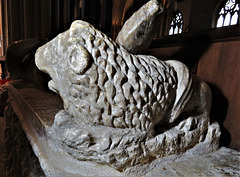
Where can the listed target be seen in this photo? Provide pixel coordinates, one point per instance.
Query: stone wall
(20, 160)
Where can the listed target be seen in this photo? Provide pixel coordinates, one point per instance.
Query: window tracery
(176, 26)
(228, 14)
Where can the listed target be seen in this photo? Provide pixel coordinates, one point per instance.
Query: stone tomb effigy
(35, 110)
(123, 113)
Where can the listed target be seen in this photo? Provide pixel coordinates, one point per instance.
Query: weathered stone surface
(57, 163)
(122, 109)
(224, 162)
(27, 103)
(19, 160)
(137, 33)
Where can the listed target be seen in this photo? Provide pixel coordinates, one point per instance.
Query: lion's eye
(78, 59)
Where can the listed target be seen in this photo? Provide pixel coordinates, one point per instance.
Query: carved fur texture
(123, 109)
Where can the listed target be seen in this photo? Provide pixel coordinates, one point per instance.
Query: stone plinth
(35, 110)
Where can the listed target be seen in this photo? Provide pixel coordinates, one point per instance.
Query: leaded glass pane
(176, 26)
(228, 14)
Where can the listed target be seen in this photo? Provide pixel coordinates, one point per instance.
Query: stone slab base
(36, 116)
(224, 162)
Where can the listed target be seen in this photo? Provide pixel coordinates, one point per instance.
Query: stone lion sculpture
(123, 109)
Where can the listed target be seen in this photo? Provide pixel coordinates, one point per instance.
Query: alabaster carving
(122, 109)
(137, 33)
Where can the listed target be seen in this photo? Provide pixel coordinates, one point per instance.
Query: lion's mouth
(52, 86)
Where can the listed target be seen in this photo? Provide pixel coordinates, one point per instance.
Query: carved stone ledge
(35, 109)
(19, 160)
(30, 114)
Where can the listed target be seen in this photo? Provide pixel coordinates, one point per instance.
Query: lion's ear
(77, 27)
(79, 59)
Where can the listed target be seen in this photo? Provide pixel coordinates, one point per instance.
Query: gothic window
(176, 26)
(228, 13)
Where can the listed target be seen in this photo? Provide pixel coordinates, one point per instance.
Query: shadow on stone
(196, 46)
(219, 112)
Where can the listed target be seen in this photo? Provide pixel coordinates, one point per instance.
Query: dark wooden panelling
(220, 67)
(31, 11)
(106, 16)
(35, 18)
(190, 47)
(15, 24)
(202, 13)
(55, 15)
(45, 18)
